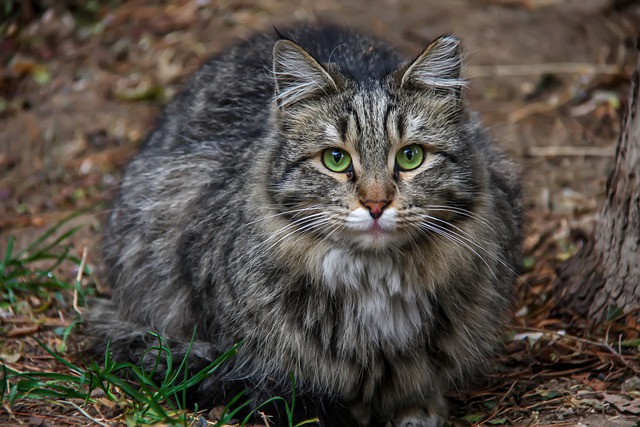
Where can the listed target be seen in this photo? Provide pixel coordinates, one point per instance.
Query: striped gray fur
(228, 222)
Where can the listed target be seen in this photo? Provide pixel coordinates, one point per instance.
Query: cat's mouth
(371, 232)
(376, 229)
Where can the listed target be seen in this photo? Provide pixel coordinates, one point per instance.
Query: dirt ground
(81, 84)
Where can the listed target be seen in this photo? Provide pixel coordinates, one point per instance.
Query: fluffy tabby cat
(333, 207)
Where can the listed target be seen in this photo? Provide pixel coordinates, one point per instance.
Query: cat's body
(377, 286)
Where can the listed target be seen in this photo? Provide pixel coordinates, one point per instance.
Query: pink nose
(375, 207)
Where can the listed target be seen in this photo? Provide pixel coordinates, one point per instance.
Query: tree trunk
(605, 273)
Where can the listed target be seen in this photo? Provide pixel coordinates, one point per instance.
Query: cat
(334, 208)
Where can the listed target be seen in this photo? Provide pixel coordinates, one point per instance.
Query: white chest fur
(385, 303)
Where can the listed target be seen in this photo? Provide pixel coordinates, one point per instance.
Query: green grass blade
(211, 368)
(227, 416)
(309, 421)
(133, 393)
(59, 259)
(7, 255)
(4, 382)
(60, 359)
(44, 236)
(61, 238)
(183, 363)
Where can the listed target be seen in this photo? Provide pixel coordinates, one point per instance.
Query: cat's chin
(377, 239)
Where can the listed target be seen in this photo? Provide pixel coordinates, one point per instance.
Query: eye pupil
(337, 156)
(408, 153)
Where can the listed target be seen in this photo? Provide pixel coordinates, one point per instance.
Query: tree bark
(604, 275)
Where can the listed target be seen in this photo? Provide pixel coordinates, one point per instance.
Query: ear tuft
(297, 75)
(438, 66)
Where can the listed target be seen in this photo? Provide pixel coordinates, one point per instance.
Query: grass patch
(141, 400)
(34, 270)
(36, 284)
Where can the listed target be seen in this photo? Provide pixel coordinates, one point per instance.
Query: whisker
(465, 236)
(340, 227)
(293, 225)
(445, 233)
(465, 212)
(292, 211)
(289, 228)
(312, 226)
(467, 240)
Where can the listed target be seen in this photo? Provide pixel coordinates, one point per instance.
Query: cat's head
(373, 163)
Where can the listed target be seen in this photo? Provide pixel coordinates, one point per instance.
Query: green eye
(336, 159)
(409, 157)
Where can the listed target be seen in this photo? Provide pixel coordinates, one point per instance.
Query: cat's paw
(418, 418)
(430, 421)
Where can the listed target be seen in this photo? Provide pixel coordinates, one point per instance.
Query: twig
(79, 280)
(97, 409)
(551, 104)
(493, 415)
(264, 418)
(544, 403)
(568, 151)
(562, 424)
(600, 344)
(504, 396)
(99, 422)
(528, 4)
(541, 69)
(498, 410)
(20, 332)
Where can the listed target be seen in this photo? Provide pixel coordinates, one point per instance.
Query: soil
(81, 86)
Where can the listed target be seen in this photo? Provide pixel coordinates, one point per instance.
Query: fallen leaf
(10, 357)
(476, 417)
(623, 402)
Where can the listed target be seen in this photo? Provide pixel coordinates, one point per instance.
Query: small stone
(217, 413)
(36, 422)
(632, 384)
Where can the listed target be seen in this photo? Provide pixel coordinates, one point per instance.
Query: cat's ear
(438, 66)
(298, 76)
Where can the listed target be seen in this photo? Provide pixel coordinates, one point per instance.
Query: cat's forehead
(367, 111)
(377, 117)
(370, 101)
(369, 122)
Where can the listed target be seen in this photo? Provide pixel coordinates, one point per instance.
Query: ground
(82, 83)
